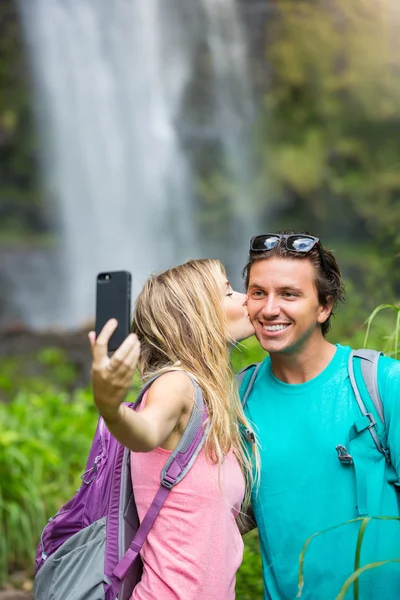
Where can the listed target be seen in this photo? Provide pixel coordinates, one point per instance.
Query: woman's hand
(112, 377)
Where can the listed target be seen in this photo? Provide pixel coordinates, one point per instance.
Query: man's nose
(271, 307)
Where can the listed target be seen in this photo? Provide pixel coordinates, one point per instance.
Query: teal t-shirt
(304, 489)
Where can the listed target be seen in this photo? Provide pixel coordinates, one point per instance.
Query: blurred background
(136, 135)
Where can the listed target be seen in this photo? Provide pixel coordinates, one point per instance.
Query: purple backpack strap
(176, 467)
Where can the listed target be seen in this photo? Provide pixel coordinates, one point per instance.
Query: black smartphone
(113, 300)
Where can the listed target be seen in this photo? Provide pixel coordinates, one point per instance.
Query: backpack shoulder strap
(364, 363)
(245, 380)
(190, 444)
(369, 369)
(176, 467)
(363, 373)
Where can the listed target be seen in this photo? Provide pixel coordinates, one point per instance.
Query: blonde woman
(183, 320)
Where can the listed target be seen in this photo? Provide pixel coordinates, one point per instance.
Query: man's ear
(325, 310)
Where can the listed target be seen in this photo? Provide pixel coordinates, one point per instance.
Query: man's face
(283, 304)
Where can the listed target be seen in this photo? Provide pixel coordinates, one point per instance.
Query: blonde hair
(181, 323)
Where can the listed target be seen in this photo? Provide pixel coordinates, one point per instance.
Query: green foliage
(391, 346)
(55, 360)
(44, 440)
(332, 106)
(36, 372)
(249, 577)
(245, 353)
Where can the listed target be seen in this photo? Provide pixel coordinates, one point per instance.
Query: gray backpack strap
(244, 378)
(369, 371)
(192, 439)
(190, 443)
(363, 373)
(242, 374)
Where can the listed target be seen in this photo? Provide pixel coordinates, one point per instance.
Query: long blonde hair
(181, 323)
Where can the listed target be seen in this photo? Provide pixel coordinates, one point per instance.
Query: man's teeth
(274, 327)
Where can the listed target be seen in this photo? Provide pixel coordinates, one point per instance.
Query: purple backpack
(90, 549)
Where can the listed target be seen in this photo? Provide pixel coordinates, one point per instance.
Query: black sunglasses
(294, 242)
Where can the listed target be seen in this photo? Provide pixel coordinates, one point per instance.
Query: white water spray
(111, 81)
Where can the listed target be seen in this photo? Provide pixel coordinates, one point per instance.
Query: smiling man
(302, 406)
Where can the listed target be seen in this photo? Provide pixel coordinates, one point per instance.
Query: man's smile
(276, 327)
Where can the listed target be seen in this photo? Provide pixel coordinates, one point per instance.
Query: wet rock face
(15, 595)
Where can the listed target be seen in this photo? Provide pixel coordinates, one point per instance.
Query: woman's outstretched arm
(168, 397)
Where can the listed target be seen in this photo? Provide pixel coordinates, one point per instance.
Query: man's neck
(303, 365)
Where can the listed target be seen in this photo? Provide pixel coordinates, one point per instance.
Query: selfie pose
(330, 441)
(183, 322)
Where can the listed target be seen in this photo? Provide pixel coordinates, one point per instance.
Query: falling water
(112, 81)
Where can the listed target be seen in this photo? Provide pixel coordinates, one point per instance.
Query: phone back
(113, 300)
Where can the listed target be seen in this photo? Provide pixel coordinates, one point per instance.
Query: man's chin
(270, 345)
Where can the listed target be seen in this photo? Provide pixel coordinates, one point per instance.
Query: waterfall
(112, 82)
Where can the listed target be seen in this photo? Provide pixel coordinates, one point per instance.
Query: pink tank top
(194, 548)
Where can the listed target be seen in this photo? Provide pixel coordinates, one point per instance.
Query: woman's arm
(146, 430)
(168, 396)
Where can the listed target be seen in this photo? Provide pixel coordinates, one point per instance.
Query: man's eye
(289, 295)
(257, 294)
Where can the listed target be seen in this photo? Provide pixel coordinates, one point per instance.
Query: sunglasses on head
(294, 242)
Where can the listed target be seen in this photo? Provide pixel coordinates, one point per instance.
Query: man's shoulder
(344, 350)
(389, 370)
(387, 365)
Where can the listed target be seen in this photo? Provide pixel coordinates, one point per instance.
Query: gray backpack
(363, 373)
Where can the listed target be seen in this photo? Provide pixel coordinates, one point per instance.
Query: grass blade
(368, 322)
(354, 576)
(300, 581)
(358, 554)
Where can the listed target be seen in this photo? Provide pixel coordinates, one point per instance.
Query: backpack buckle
(344, 457)
(371, 419)
(168, 482)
